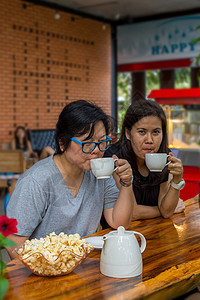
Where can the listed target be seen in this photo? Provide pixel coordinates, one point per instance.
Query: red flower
(7, 226)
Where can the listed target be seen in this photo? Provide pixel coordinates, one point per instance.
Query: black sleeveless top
(147, 195)
(21, 148)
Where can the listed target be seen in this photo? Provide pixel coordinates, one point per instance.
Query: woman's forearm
(145, 212)
(169, 196)
(122, 211)
(169, 202)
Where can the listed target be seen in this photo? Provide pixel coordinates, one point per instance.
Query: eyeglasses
(88, 147)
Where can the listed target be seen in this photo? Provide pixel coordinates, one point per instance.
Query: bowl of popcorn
(53, 255)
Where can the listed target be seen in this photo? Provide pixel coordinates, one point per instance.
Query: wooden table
(171, 266)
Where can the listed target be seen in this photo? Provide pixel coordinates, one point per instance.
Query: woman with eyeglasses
(60, 193)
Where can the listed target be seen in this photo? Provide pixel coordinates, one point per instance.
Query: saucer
(95, 241)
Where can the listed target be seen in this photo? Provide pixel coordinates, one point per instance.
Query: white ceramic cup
(103, 167)
(156, 161)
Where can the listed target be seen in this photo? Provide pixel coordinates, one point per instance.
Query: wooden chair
(12, 164)
(12, 161)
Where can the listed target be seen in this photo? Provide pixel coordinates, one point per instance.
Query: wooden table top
(171, 266)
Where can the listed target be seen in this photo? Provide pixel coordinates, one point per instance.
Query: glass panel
(183, 125)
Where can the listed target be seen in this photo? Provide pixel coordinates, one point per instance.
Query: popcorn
(55, 254)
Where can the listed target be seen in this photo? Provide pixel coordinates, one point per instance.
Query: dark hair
(25, 139)
(77, 118)
(136, 111)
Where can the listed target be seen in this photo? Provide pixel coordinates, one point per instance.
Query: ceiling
(128, 11)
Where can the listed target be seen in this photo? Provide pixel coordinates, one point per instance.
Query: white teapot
(121, 254)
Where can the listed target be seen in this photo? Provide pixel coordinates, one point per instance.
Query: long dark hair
(136, 111)
(25, 139)
(78, 118)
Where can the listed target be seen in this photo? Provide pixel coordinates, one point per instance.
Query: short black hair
(77, 118)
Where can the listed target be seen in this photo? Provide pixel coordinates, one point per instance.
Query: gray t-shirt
(42, 203)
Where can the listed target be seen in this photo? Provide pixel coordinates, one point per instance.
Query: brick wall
(46, 63)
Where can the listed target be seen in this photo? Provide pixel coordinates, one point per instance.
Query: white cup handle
(169, 162)
(116, 167)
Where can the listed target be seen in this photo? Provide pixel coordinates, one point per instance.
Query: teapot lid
(121, 230)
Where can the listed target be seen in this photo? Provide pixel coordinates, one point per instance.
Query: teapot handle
(143, 241)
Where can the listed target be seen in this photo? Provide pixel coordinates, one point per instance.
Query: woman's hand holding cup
(123, 171)
(175, 168)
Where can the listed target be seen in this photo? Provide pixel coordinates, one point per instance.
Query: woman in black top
(144, 131)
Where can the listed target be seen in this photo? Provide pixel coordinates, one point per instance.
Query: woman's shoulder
(42, 170)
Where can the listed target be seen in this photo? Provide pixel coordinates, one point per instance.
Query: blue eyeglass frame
(108, 139)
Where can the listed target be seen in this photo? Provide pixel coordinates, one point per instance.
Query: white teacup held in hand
(103, 167)
(156, 161)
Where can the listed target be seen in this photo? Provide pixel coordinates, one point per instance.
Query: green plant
(124, 93)
(152, 80)
(7, 227)
(194, 42)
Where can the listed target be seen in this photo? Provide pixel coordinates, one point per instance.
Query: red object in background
(191, 175)
(114, 138)
(176, 96)
(153, 65)
(7, 226)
